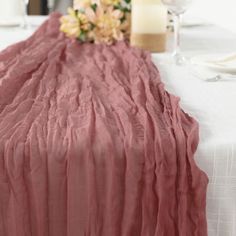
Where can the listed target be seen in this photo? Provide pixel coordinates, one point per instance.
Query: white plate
(216, 62)
(193, 23)
(12, 23)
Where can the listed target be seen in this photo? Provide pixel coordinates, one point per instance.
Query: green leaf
(94, 6)
(82, 36)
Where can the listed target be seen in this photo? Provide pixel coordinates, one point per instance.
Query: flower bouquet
(98, 21)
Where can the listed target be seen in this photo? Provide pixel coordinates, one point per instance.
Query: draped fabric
(91, 144)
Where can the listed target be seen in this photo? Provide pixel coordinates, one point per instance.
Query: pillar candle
(11, 8)
(149, 22)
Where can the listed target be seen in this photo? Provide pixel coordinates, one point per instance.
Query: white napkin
(226, 61)
(220, 63)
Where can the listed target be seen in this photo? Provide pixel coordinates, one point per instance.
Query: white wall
(221, 12)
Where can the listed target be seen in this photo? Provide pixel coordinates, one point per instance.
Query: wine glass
(51, 5)
(177, 8)
(25, 24)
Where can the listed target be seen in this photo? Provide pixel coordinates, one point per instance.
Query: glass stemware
(177, 8)
(51, 5)
(25, 24)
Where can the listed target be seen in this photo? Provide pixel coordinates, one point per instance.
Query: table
(10, 35)
(212, 104)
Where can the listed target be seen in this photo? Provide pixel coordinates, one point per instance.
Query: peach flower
(84, 22)
(78, 4)
(107, 23)
(102, 23)
(70, 24)
(110, 2)
(83, 4)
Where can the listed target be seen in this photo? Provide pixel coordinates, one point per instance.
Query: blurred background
(43, 7)
(221, 12)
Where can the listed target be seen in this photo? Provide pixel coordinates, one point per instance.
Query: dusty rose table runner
(92, 145)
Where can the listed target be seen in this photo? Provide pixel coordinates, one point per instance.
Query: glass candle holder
(149, 25)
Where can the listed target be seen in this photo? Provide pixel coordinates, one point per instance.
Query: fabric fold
(91, 144)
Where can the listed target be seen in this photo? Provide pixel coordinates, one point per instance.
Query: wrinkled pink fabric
(92, 145)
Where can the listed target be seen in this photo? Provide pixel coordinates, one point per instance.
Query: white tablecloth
(10, 35)
(214, 107)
